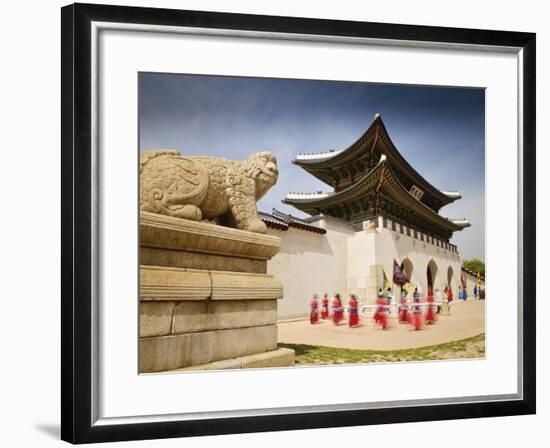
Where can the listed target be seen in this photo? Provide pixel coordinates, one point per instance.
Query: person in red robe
(353, 311)
(324, 308)
(416, 318)
(430, 315)
(314, 313)
(403, 309)
(381, 313)
(337, 310)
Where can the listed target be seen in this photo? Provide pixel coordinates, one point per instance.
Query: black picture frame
(77, 424)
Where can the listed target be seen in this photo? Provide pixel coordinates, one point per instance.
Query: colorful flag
(387, 282)
(399, 277)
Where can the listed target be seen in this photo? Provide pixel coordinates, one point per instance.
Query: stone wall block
(161, 283)
(183, 350)
(167, 232)
(245, 341)
(220, 315)
(243, 286)
(155, 318)
(185, 259)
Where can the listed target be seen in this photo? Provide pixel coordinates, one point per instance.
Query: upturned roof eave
(338, 196)
(317, 167)
(333, 160)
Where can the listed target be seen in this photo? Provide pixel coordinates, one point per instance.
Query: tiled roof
(381, 175)
(272, 222)
(322, 164)
(282, 221)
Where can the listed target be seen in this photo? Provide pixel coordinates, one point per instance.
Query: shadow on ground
(50, 429)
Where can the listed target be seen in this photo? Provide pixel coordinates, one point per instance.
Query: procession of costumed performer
(381, 316)
(387, 292)
(416, 318)
(337, 310)
(389, 298)
(413, 313)
(438, 300)
(430, 315)
(403, 308)
(446, 304)
(324, 307)
(314, 312)
(353, 311)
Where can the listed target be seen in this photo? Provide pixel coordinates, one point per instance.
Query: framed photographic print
(275, 223)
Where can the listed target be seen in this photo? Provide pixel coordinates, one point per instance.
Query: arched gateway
(450, 274)
(407, 268)
(431, 274)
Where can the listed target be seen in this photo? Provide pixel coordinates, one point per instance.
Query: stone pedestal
(206, 301)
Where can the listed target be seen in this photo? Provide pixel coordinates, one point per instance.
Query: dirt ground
(467, 319)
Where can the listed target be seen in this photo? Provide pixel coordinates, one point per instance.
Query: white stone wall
(347, 261)
(362, 262)
(310, 263)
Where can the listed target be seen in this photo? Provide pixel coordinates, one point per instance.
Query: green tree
(475, 265)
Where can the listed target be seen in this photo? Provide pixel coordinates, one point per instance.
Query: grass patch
(473, 347)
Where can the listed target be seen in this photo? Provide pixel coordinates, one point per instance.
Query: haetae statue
(200, 187)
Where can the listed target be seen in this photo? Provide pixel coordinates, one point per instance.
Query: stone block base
(157, 354)
(165, 318)
(282, 357)
(206, 298)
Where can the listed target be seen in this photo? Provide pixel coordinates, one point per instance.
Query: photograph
(275, 224)
(299, 223)
(293, 221)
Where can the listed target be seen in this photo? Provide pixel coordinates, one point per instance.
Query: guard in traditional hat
(324, 307)
(353, 311)
(389, 299)
(337, 310)
(381, 313)
(430, 315)
(416, 319)
(403, 309)
(314, 310)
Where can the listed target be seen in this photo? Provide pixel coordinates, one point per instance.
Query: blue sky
(439, 130)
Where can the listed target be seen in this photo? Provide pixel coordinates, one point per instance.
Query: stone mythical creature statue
(207, 187)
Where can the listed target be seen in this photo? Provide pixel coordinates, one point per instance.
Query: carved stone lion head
(262, 167)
